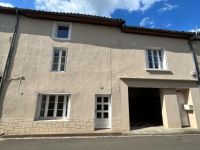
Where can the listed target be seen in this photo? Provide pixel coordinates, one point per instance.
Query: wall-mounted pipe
(10, 54)
(194, 55)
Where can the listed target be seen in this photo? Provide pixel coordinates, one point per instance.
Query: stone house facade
(72, 73)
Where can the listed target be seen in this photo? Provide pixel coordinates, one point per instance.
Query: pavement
(164, 142)
(160, 130)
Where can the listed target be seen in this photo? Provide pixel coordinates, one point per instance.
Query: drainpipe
(190, 43)
(10, 54)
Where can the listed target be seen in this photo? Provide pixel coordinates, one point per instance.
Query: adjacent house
(70, 73)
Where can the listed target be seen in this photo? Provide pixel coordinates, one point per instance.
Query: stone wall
(28, 126)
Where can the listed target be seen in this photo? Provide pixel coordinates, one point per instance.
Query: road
(183, 142)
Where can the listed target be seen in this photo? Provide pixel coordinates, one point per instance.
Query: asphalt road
(186, 142)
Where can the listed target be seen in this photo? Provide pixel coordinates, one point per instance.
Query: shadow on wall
(7, 23)
(105, 36)
(7, 83)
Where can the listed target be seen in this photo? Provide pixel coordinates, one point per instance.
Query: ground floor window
(53, 106)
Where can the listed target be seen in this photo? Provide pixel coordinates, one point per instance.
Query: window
(62, 31)
(59, 60)
(155, 59)
(53, 106)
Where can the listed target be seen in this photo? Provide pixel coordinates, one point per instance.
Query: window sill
(157, 70)
(52, 119)
(61, 39)
(57, 71)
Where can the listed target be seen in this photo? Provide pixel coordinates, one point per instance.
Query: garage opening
(144, 107)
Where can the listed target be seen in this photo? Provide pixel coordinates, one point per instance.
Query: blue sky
(183, 15)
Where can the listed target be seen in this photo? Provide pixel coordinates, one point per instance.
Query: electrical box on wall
(188, 107)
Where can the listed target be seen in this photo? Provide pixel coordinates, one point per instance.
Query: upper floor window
(156, 59)
(53, 106)
(62, 31)
(59, 60)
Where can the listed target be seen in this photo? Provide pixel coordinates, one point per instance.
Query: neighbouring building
(70, 73)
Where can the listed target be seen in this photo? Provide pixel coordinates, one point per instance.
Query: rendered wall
(97, 57)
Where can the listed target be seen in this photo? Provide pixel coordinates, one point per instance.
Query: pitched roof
(97, 20)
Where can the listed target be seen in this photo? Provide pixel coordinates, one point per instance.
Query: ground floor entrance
(159, 103)
(144, 107)
(102, 112)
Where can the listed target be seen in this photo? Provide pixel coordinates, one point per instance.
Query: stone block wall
(30, 127)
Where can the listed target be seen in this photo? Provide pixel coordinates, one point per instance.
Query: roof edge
(97, 20)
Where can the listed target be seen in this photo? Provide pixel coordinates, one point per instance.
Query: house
(71, 73)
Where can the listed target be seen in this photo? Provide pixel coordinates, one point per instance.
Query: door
(102, 112)
(183, 113)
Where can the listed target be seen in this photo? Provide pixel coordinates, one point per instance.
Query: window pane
(62, 32)
(50, 113)
(156, 65)
(63, 60)
(63, 53)
(51, 102)
(105, 107)
(55, 67)
(55, 60)
(62, 67)
(155, 56)
(59, 113)
(105, 99)
(60, 106)
(43, 103)
(98, 107)
(44, 98)
(150, 65)
(42, 112)
(52, 99)
(60, 99)
(150, 60)
(98, 115)
(105, 115)
(149, 52)
(56, 53)
(51, 105)
(99, 100)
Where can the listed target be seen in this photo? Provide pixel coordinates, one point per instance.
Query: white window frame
(55, 29)
(64, 116)
(59, 60)
(164, 60)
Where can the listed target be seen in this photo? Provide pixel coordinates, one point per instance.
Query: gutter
(190, 43)
(10, 54)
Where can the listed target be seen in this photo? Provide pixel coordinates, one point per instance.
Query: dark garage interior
(144, 107)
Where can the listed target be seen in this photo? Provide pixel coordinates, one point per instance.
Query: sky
(181, 15)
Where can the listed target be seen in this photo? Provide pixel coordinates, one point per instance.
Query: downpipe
(194, 55)
(10, 54)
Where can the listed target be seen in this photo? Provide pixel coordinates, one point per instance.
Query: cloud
(94, 7)
(167, 7)
(6, 4)
(147, 22)
(195, 30)
(167, 25)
